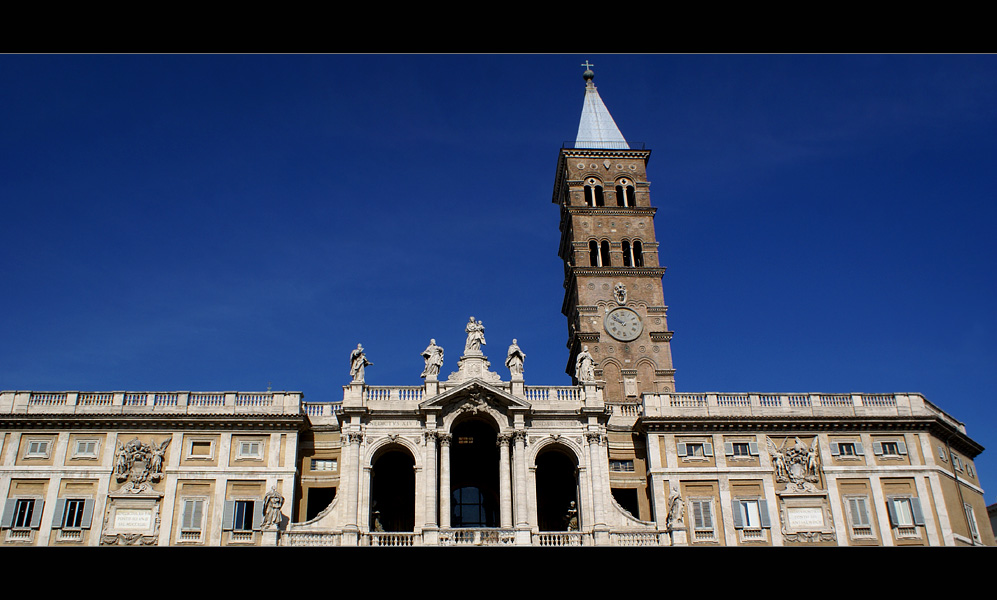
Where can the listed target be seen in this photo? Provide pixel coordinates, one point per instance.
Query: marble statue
(272, 504)
(475, 336)
(434, 360)
(675, 509)
(358, 361)
(571, 519)
(584, 366)
(515, 359)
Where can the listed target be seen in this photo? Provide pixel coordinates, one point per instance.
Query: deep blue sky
(221, 222)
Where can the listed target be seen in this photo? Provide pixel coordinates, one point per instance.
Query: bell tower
(613, 298)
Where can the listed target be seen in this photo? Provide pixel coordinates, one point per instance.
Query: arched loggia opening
(474, 475)
(392, 491)
(557, 489)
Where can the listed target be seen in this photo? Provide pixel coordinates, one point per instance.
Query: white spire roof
(597, 129)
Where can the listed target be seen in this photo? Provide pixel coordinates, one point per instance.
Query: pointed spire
(597, 129)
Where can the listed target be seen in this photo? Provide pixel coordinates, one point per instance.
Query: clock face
(623, 324)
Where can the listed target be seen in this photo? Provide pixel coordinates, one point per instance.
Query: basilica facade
(475, 458)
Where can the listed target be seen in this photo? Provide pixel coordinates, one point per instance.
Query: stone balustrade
(802, 405)
(26, 402)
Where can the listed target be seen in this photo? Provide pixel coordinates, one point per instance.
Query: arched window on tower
(638, 254)
(593, 192)
(625, 193)
(593, 253)
(605, 254)
(627, 257)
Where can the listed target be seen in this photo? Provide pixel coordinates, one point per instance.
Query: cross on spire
(587, 65)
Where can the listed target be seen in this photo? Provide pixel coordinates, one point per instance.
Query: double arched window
(625, 195)
(599, 253)
(633, 254)
(593, 192)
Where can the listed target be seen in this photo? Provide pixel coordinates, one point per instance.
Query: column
(599, 518)
(430, 438)
(444, 479)
(505, 479)
(519, 438)
(352, 484)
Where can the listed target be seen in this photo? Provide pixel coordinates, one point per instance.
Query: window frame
(189, 449)
(315, 462)
(897, 449)
(856, 527)
(242, 455)
(623, 463)
(702, 531)
(96, 448)
(44, 452)
(750, 447)
(12, 520)
(898, 521)
(682, 449)
(198, 528)
(857, 450)
(974, 528)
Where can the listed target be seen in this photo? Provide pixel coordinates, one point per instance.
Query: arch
(593, 253)
(474, 473)
(627, 256)
(604, 254)
(638, 250)
(593, 192)
(556, 487)
(614, 380)
(645, 376)
(625, 195)
(392, 489)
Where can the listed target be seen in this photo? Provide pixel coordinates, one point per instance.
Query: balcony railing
(795, 405)
(153, 402)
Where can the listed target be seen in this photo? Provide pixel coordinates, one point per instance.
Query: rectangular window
(199, 449)
(72, 515)
(892, 449)
(905, 515)
(702, 519)
(956, 462)
(750, 514)
(971, 519)
(858, 515)
(85, 449)
(193, 515)
(621, 466)
(941, 454)
(740, 450)
(324, 464)
(694, 449)
(847, 449)
(243, 516)
(37, 449)
(23, 512)
(251, 449)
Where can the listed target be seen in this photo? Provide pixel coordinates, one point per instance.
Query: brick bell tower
(612, 277)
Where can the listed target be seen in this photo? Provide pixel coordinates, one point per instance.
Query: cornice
(603, 152)
(594, 211)
(619, 271)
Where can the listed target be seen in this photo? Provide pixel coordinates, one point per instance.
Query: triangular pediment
(475, 391)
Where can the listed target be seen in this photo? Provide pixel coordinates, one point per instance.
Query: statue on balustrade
(358, 361)
(434, 360)
(515, 359)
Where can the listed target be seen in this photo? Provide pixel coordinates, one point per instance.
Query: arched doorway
(474, 475)
(392, 491)
(557, 488)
